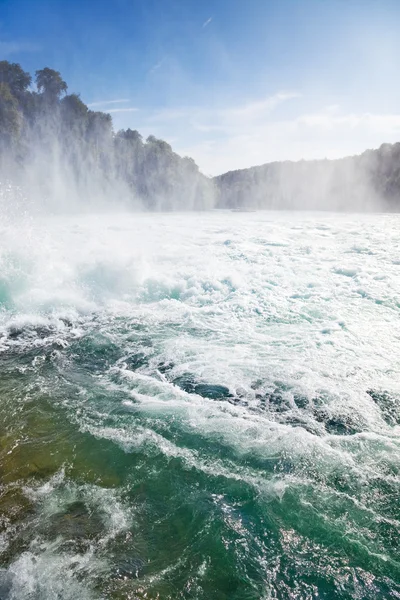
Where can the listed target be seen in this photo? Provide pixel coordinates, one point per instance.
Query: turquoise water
(200, 406)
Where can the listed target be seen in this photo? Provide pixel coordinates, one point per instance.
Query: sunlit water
(201, 406)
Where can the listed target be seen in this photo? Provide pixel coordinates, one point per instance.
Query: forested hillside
(370, 181)
(63, 153)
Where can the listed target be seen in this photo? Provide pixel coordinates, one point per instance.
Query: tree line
(366, 182)
(63, 151)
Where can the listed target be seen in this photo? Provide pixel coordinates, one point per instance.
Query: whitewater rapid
(200, 406)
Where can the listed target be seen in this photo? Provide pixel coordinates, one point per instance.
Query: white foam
(45, 573)
(287, 300)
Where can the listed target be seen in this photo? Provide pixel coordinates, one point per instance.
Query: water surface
(200, 406)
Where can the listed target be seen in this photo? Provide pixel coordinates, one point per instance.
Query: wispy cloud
(254, 110)
(225, 119)
(107, 102)
(108, 106)
(16, 47)
(320, 134)
(255, 132)
(157, 65)
(123, 110)
(207, 22)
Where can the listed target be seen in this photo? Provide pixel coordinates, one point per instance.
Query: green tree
(10, 117)
(99, 127)
(159, 145)
(73, 110)
(130, 135)
(50, 84)
(15, 77)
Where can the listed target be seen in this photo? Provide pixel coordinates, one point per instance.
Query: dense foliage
(64, 152)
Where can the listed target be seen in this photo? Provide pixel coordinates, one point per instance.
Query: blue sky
(232, 83)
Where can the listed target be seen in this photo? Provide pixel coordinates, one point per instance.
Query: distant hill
(370, 181)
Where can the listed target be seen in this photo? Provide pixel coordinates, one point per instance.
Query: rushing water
(200, 406)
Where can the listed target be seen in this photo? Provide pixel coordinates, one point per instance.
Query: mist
(368, 182)
(59, 156)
